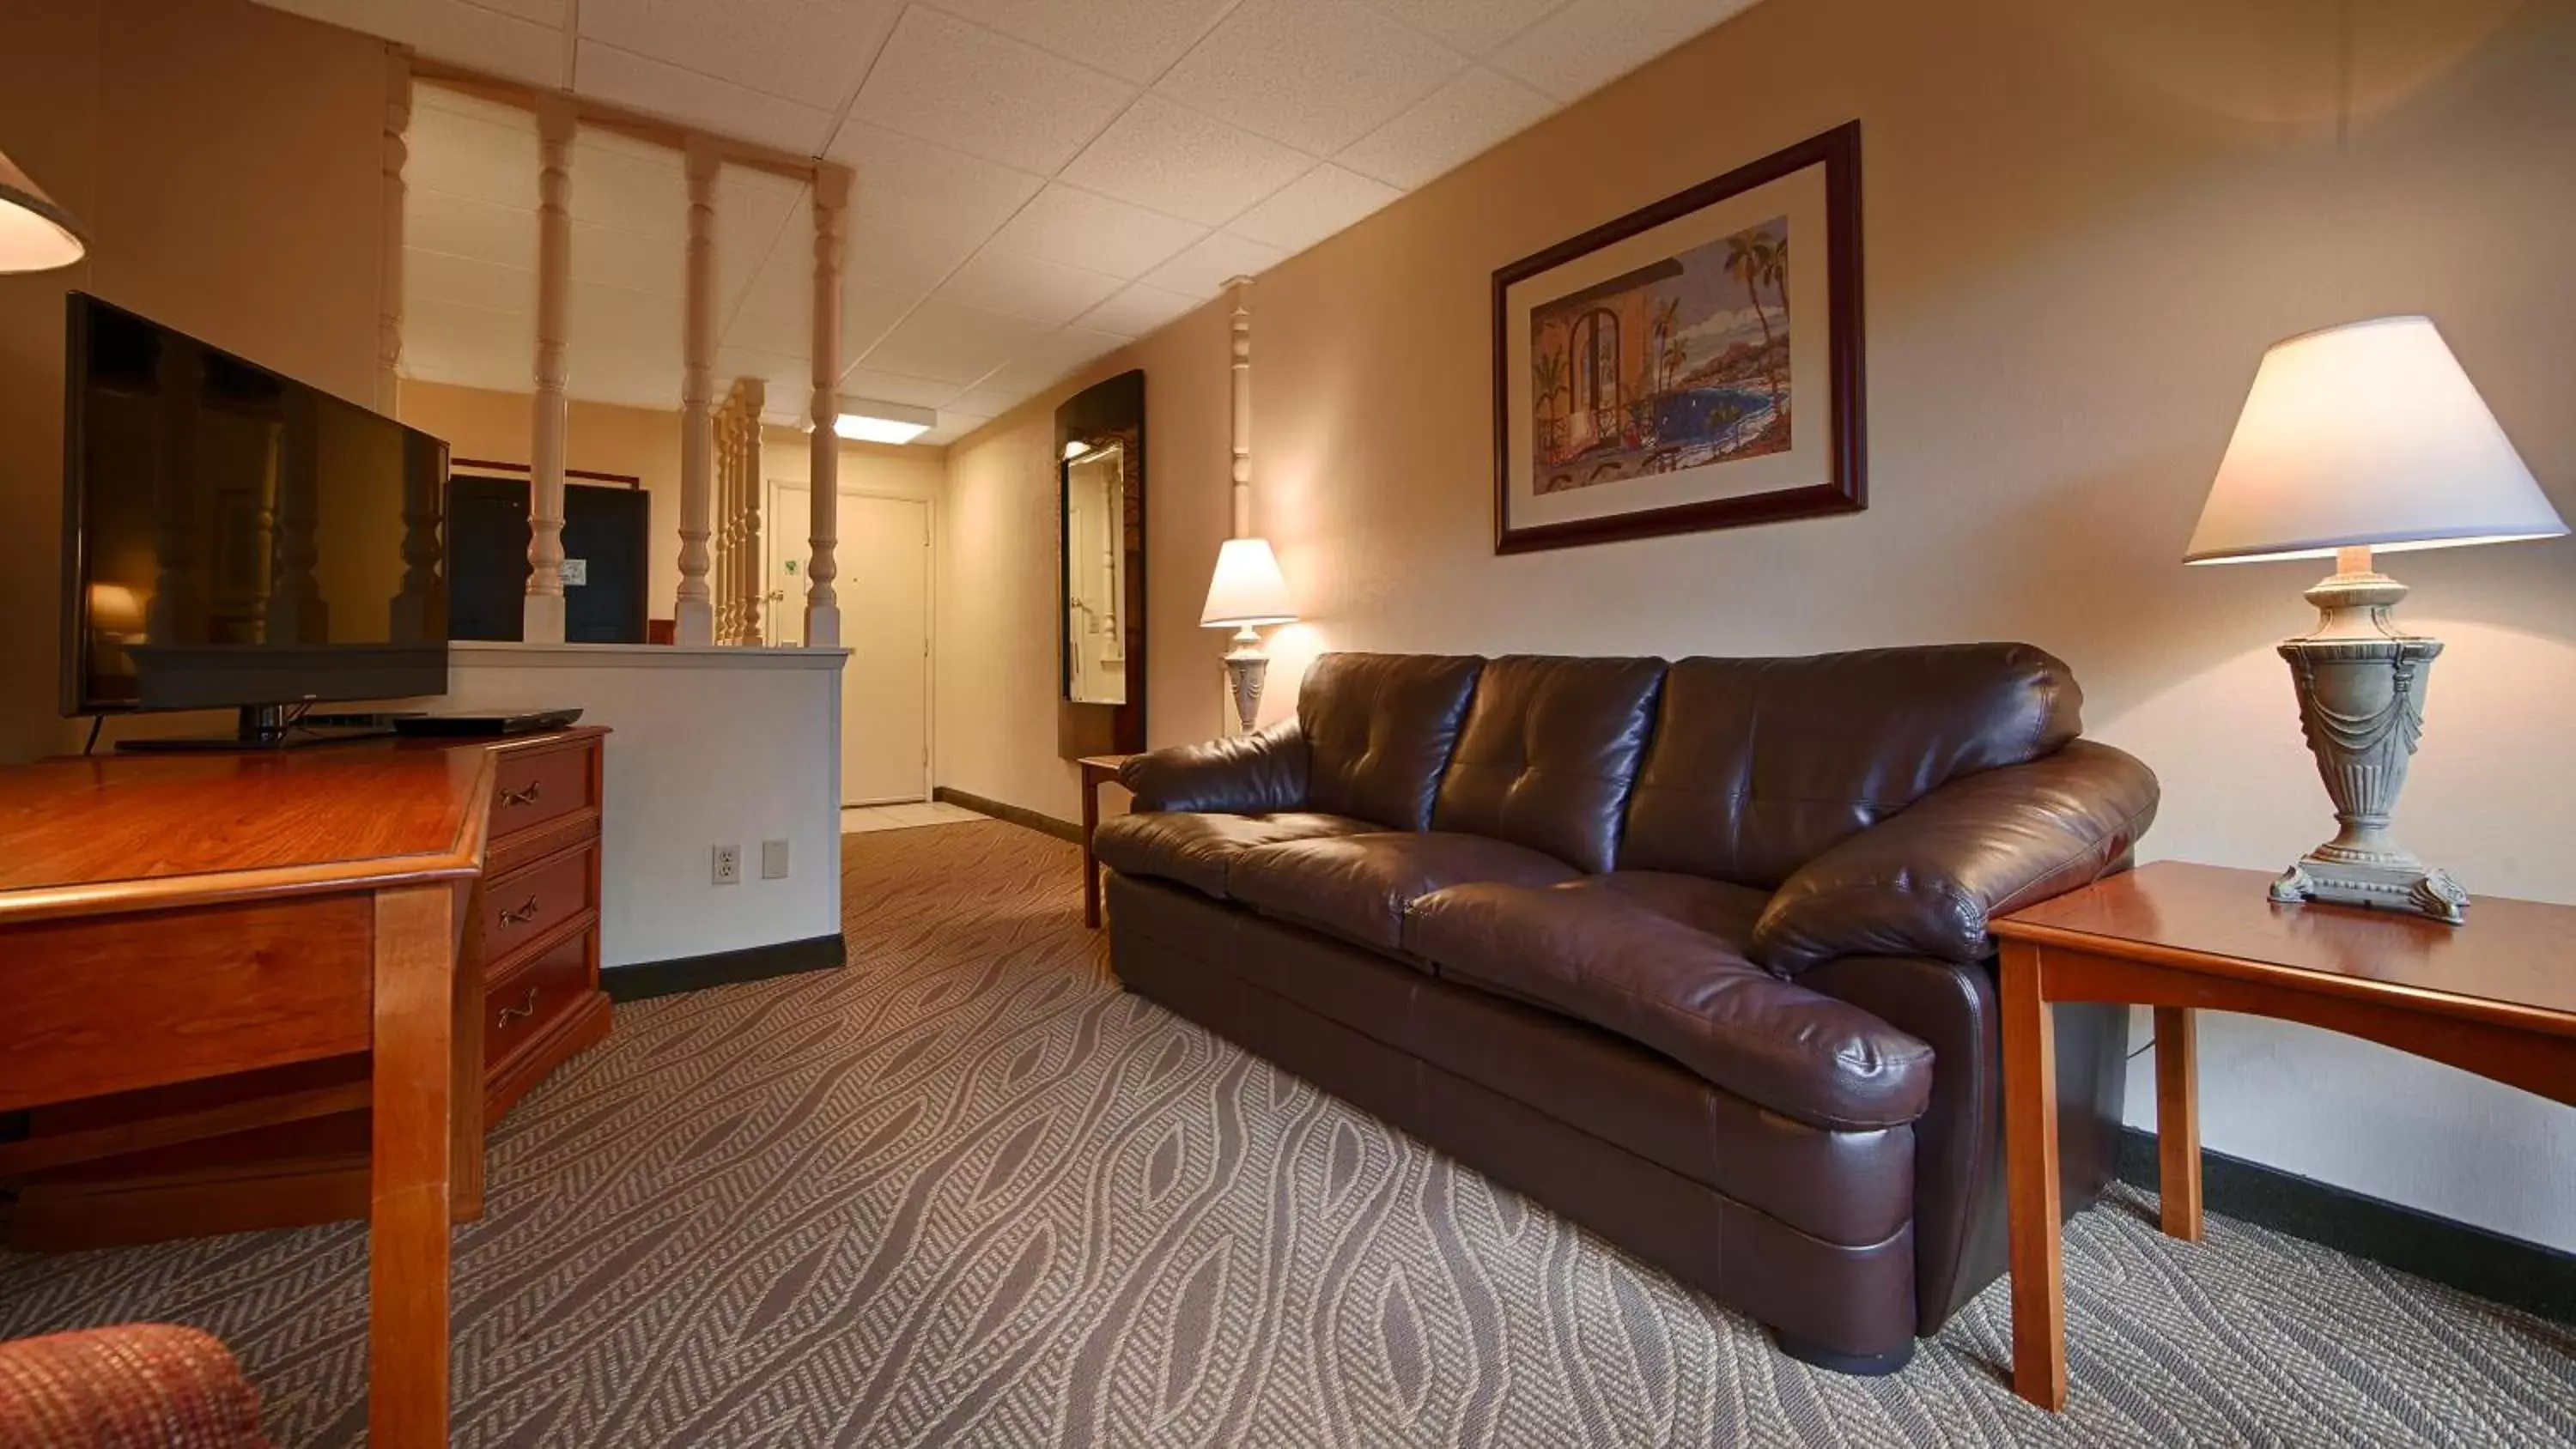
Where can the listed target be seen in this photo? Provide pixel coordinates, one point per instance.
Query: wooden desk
(1097, 770)
(167, 919)
(2496, 997)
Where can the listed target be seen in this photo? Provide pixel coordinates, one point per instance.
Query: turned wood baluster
(822, 606)
(544, 615)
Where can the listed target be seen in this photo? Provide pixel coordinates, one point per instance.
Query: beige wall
(224, 159)
(2082, 226)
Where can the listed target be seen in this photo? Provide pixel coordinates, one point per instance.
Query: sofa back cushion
(1379, 729)
(1760, 765)
(1548, 752)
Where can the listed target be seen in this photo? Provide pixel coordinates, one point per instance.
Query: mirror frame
(1110, 412)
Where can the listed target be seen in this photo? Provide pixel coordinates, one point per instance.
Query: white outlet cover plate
(773, 860)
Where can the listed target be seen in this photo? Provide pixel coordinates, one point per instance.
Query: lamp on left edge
(35, 234)
(1246, 593)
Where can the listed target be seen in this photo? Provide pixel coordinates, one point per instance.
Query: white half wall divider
(714, 745)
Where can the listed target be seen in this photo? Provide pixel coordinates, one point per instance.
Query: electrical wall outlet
(773, 860)
(728, 865)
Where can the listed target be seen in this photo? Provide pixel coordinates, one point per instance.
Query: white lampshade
(1247, 588)
(35, 234)
(2367, 433)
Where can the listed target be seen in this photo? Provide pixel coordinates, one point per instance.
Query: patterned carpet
(967, 1192)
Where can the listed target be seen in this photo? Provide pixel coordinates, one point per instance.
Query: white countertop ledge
(507, 654)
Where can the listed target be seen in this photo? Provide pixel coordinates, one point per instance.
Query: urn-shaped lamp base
(2361, 685)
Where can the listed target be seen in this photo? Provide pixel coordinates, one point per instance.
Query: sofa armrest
(141, 1383)
(1255, 774)
(1926, 880)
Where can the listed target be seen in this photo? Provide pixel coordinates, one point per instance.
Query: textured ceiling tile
(868, 314)
(894, 387)
(1590, 43)
(810, 51)
(928, 187)
(1024, 286)
(952, 426)
(1313, 74)
(1133, 39)
(1048, 360)
(630, 193)
(1069, 225)
(1315, 206)
(952, 342)
(463, 281)
(1203, 270)
(1137, 310)
(1171, 158)
(476, 36)
(460, 226)
(482, 156)
(985, 93)
(1460, 120)
(651, 265)
(469, 346)
(666, 90)
(785, 380)
(1474, 26)
(991, 402)
(886, 255)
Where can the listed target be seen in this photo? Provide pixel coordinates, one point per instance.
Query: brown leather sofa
(1694, 953)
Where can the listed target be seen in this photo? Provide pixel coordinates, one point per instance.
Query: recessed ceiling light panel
(866, 421)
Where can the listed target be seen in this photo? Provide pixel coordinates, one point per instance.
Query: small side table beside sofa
(1097, 770)
(2496, 997)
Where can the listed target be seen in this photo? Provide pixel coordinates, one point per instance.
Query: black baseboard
(1017, 815)
(2504, 1270)
(722, 968)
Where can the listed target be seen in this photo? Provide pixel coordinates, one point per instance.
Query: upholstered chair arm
(1255, 774)
(141, 1383)
(1925, 881)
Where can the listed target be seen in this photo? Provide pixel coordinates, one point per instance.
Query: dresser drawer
(529, 902)
(531, 787)
(519, 1008)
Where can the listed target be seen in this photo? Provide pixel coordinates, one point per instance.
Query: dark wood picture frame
(1846, 487)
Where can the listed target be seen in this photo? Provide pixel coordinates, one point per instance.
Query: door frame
(772, 538)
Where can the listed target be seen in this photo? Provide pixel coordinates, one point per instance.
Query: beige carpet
(967, 1192)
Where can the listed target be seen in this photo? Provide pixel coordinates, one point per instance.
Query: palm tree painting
(1681, 367)
(1696, 348)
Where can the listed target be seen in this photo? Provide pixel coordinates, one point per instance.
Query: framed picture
(1694, 364)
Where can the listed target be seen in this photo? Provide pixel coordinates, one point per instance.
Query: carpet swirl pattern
(966, 1191)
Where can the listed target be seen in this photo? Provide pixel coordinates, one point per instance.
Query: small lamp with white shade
(35, 234)
(2362, 437)
(1246, 593)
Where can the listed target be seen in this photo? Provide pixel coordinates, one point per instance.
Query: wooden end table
(1097, 770)
(2496, 997)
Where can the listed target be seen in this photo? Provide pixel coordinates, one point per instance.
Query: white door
(883, 583)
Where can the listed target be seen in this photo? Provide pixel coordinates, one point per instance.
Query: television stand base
(262, 727)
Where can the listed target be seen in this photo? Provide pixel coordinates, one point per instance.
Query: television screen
(234, 537)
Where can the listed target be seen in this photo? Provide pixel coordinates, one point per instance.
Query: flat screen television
(233, 537)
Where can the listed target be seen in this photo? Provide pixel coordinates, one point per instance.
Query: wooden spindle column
(754, 394)
(543, 620)
(1242, 408)
(822, 606)
(391, 192)
(695, 612)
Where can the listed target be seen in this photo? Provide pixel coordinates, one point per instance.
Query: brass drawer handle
(508, 1013)
(527, 796)
(521, 914)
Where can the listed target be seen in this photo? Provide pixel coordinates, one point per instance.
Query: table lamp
(1246, 593)
(2360, 437)
(35, 234)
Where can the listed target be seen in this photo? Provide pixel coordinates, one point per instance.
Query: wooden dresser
(531, 936)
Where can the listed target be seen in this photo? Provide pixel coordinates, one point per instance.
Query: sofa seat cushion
(1683, 992)
(1358, 887)
(1198, 850)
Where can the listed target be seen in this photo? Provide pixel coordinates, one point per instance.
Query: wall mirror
(1100, 615)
